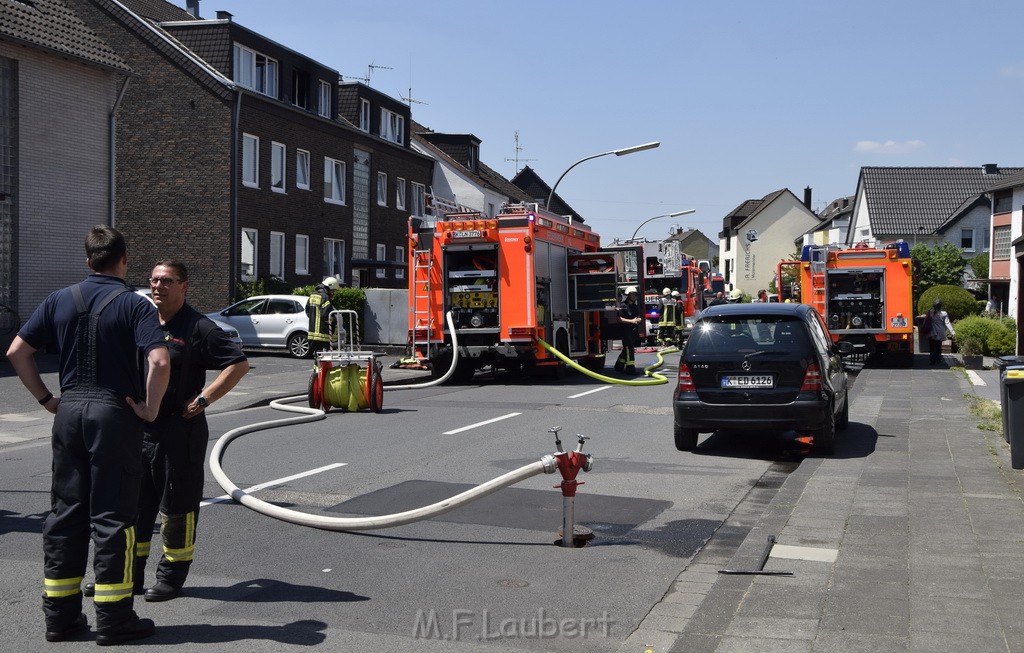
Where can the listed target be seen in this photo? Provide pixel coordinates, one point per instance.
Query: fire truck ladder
(818, 257)
(422, 316)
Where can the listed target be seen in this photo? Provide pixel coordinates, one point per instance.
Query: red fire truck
(509, 281)
(865, 294)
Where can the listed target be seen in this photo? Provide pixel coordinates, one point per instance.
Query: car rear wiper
(757, 353)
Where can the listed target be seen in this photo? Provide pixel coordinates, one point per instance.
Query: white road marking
(280, 481)
(975, 378)
(484, 423)
(589, 392)
(813, 554)
(18, 417)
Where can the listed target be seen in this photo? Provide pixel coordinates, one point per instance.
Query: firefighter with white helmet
(630, 315)
(318, 309)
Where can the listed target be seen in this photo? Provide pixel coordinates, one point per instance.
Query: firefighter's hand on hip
(194, 407)
(144, 411)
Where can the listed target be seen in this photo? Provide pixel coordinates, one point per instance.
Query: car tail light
(685, 379)
(812, 379)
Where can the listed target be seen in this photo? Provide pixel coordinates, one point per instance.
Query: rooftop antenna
(518, 149)
(409, 99)
(369, 72)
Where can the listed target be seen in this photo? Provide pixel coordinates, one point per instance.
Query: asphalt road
(485, 575)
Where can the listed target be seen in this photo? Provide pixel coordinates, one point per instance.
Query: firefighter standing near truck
(630, 315)
(667, 318)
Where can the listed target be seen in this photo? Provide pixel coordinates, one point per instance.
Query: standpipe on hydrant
(569, 465)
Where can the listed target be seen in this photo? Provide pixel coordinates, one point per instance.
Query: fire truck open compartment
(471, 272)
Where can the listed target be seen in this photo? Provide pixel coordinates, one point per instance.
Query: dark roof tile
(906, 200)
(52, 25)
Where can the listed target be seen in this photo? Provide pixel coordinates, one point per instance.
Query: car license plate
(748, 381)
(898, 323)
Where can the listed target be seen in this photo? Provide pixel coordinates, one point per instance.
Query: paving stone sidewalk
(910, 538)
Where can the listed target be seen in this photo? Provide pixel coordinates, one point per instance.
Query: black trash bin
(1013, 416)
(1002, 364)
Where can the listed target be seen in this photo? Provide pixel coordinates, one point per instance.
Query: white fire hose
(546, 465)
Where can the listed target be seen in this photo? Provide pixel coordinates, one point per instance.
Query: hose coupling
(550, 466)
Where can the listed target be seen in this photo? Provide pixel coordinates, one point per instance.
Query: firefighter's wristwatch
(201, 400)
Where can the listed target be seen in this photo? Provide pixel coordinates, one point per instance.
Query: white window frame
(973, 235)
(392, 126)
(334, 180)
(302, 169)
(277, 254)
(382, 255)
(400, 258)
(250, 160)
(249, 253)
(419, 199)
(382, 188)
(278, 160)
(400, 194)
(334, 257)
(364, 115)
(247, 70)
(324, 106)
(301, 254)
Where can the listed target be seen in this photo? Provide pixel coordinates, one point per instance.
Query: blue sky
(746, 97)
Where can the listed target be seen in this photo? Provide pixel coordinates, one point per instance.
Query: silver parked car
(270, 321)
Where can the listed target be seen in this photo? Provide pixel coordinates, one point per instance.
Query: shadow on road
(307, 632)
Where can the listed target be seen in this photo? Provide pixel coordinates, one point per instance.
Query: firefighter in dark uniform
(174, 449)
(100, 328)
(319, 308)
(630, 316)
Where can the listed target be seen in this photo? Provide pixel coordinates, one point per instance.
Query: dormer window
(392, 127)
(255, 71)
(324, 106)
(364, 115)
(472, 158)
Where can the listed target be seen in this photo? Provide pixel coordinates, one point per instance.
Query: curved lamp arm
(620, 152)
(667, 215)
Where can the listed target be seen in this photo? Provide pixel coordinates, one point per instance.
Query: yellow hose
(656, 379)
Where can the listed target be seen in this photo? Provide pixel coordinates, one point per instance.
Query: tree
(979, 266)
(941, 265)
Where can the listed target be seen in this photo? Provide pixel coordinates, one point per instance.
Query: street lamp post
(622, 152)
(667, 215)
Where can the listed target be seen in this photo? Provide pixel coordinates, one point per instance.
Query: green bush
(1002, 342)
(956, 301)
(997, 336)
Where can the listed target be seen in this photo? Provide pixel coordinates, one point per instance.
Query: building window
(250, 238)
(302, 169)
(301, 254)
(1003, 201)
(382, 188)
(490, 209)
(400, 258)
(392, 127)
(255, 71)
(1001, 242)
(300, 89)
(400, 194)
(334, 181)
(967, 240)
(334, 258)
(250, 161)
(277, 254)
(324, 105)
(364, 115)
(419, 199)
(382, 255)
(277, 156)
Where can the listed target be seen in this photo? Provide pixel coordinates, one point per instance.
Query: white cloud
(888, 147)
(1014, 70)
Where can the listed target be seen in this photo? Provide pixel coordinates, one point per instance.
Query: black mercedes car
(761, 367)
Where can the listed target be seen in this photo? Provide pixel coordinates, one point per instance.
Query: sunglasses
(163, 281)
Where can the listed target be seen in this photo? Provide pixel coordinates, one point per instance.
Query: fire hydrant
(569, 464)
